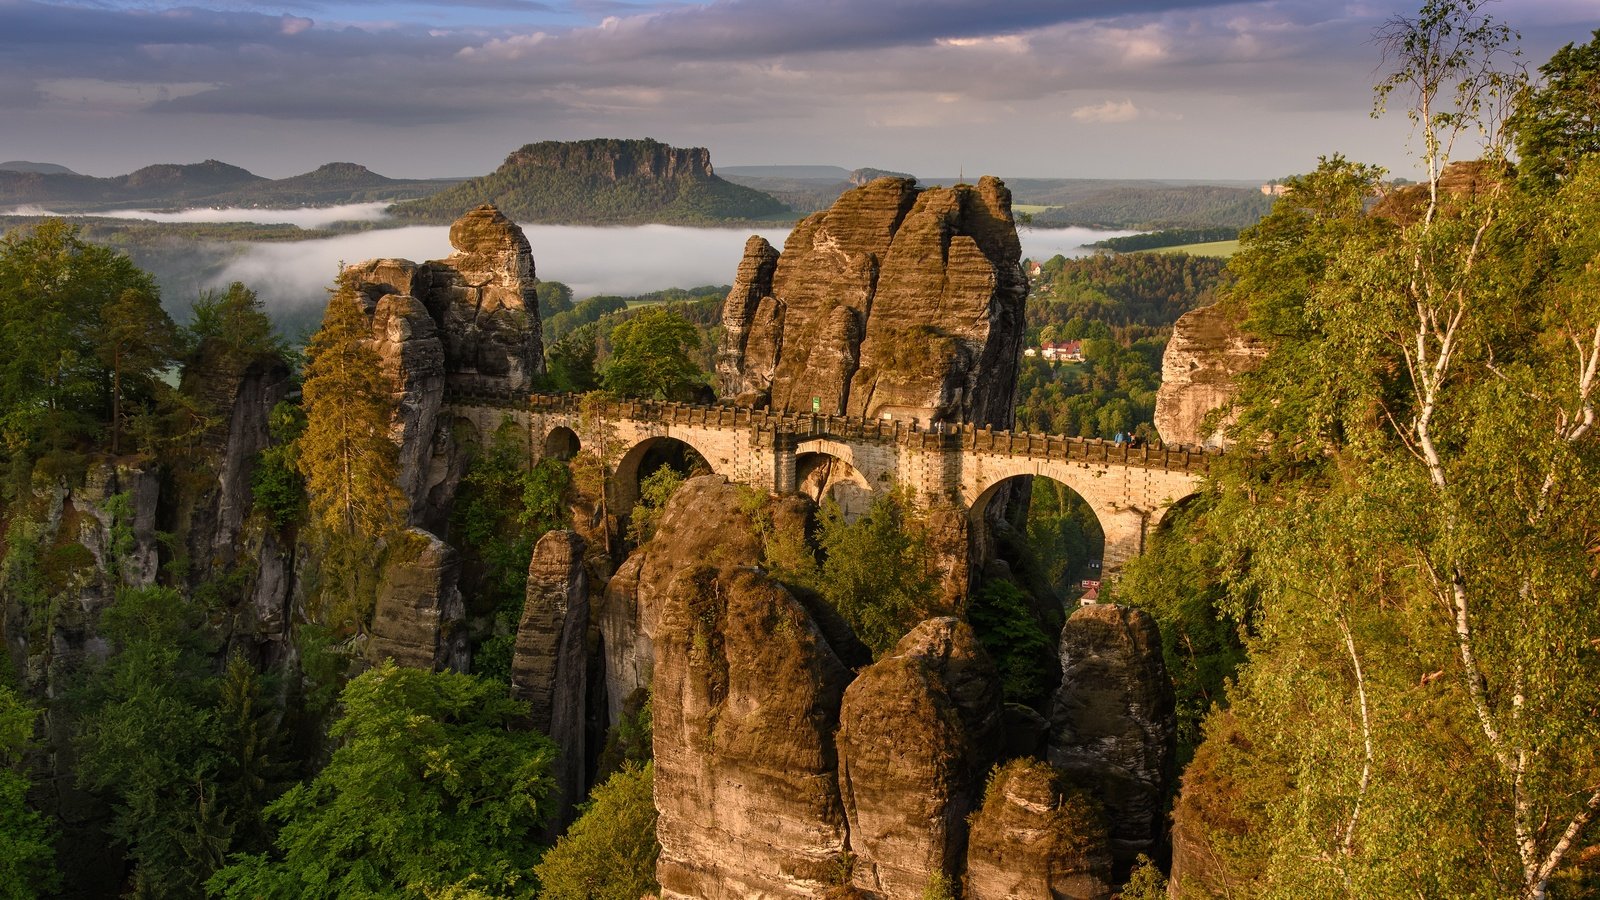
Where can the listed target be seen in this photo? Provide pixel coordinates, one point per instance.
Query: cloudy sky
(1046, 88)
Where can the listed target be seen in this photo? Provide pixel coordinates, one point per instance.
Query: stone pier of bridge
(940, 466)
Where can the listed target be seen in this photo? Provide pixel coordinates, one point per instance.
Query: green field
(1029, 208)
(1212, 248)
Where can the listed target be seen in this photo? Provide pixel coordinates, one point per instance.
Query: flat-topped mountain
(603, 181)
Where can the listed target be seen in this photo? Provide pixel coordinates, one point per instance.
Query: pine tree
(346, 456)
(349, 462)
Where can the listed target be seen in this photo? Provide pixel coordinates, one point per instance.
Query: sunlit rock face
(1207, 353)
(918, 732)
(895, 301)
(746, 702)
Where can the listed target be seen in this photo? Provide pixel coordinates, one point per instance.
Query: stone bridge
(941, 465)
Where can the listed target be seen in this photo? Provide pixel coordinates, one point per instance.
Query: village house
(1057, 351)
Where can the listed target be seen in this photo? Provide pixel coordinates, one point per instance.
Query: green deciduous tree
(433, 785)
(27, 854)
(653, 357)
(1413, 547)
(57, 344)
(1557, 123)
(610, 852)
(876, 571)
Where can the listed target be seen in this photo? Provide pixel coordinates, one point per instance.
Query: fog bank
(302, 217)
(593, 260)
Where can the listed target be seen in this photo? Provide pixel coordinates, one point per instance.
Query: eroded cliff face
(1113, 722)
(1208, 351)
(746, 703)
(1036, 838)
(549, 664)
(918, 732)
(474, 317)
(893, 301)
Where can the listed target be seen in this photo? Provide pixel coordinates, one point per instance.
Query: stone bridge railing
(912, 433)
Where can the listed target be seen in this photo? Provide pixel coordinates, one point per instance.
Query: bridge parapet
(913, 434)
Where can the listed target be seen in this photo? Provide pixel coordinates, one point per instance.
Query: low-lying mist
(302, 217)
(293, 277)
(592, 260)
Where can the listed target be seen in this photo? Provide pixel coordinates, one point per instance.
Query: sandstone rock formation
(747, 694)
(704, 522)
(917, 733)
(482, 298)
(473, 317)
(419, 611)
(1207, 352)
(1114, 721)
(893, 301)
(1035, 838)
(549, 665)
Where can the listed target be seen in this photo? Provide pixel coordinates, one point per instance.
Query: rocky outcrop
(747, 694)
(893, 301)
(549, 664)
(918, 731)
(419, 611)
(1036, 838)
(741, 319)
(473, 317)
(1208, 351)
(704, 522)
(483, 297)
(1113, 721)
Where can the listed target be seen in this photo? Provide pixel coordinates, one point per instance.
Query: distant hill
(826, 173)
(209, 183)
(603, 181)
(1153, 207)
(804, 189)
(19, 165)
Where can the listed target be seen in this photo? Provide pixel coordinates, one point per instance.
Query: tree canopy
(434, 785)
(653, 357)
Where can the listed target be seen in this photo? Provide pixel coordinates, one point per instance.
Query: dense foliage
(348, 461)
(876, 571)
(504, 507)
(1411, 547)
(186, 759)
(610, 852)
(653, 357)
(83, 340)
(433, 786)
(1122, 308)
(27, 858)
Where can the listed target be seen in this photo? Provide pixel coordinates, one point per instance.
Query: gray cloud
(1212, 86)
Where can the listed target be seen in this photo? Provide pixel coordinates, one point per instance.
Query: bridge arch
(1063, 538)
(561, 443)
(1103, 488)
(831, 469)
(644, 458)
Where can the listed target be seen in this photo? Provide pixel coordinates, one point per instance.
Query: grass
(1029, 208)
(1211, 248)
